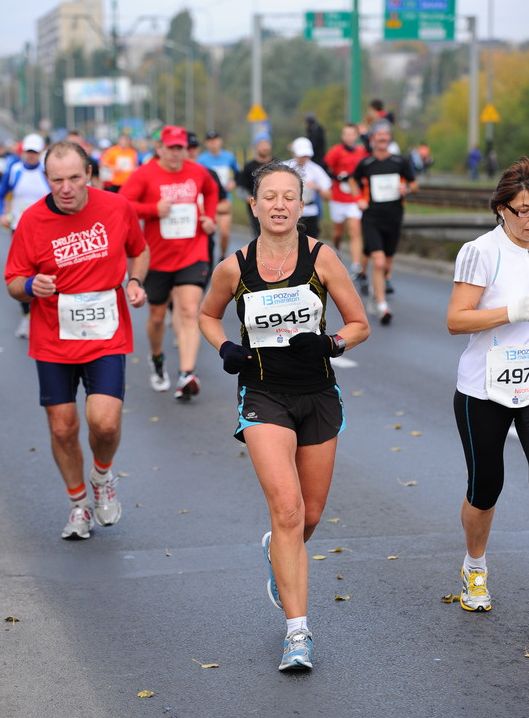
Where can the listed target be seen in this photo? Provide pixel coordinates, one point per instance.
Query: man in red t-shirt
(341, 161)
(177, 199)
(69, 258)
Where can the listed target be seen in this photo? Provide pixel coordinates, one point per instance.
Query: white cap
(33, 143)
(302, 147)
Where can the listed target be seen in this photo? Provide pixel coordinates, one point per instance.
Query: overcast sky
(225, 20)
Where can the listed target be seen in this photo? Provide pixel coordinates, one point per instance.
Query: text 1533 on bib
(507, 378)
(91, 315)
(180, 223)
(273, 316)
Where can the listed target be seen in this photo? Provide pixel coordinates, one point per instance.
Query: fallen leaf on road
(397, 426)
(407, 483)
(11, 619)
(319, 557)
(338, 549)
(206, 665)
(450, 598)
(526, 654)
(399, 413)
(182, 511)
(122, 474)
(334, 520)
(32, 449)
(393, 557)
(415, 433)
(395, 448)
(145, 694)
(339, 577)
(134, 360)
(357, 392)
(138, 506)
(154, 419)
(167, 552)
(345, 597)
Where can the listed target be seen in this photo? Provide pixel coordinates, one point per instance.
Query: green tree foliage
(447, 117)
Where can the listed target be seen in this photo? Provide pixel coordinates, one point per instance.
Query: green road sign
(427, 20)
(328, 26)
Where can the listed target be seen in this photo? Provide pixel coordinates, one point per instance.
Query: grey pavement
(179, 582)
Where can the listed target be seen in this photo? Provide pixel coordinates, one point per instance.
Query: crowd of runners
(97, 231)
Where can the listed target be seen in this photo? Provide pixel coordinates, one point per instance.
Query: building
(71, 24)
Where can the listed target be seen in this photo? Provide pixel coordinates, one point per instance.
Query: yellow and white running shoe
(474, 593)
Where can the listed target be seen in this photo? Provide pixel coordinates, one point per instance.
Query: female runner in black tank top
(280, 282)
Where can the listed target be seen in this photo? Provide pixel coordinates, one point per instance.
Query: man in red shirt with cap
(177, 199)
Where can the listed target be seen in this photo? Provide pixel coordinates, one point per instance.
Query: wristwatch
(135, 279)
(338, 344)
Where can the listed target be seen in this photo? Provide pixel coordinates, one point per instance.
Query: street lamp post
(189, 82)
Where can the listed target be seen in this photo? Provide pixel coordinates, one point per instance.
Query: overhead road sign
(426, 20)
(328, 26)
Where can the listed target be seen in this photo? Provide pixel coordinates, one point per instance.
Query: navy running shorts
(314, 417)
(158, 284)
(59, 382)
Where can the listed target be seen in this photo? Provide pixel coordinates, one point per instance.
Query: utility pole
(473, 85)
(114, 61)
(355, 93)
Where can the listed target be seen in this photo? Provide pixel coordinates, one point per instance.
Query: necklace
(278, 270)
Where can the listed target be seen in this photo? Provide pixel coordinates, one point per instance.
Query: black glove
(310, 342)
(235, 357)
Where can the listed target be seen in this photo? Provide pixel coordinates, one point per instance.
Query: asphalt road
(180, 582)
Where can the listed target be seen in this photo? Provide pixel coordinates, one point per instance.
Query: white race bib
(91, 315)
(180, 223)
(224, 174)
(273, 316)
(507, 376)
(385, 188)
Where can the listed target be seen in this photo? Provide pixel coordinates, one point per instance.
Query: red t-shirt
(87, 251)
(178, 242)
(341, 159)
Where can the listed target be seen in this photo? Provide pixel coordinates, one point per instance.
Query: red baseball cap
(172, 135)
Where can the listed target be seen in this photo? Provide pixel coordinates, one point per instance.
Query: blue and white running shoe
(297, 651)
(271, 583)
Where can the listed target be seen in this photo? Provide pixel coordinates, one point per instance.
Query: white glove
(518, 311)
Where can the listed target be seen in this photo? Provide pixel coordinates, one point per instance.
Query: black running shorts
(314, 417)
(158, 284)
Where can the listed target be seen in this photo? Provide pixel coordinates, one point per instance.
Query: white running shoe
(474, 593)
(384, 313)
(159, 378)
(186, 387)
(107, 508)
(80, 523)
(22, 331)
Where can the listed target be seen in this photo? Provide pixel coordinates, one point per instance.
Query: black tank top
(283, 370)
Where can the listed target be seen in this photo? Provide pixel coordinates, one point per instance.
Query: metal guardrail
(482, 223)
(452, 196)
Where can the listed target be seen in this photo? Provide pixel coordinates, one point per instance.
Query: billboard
(97, 91)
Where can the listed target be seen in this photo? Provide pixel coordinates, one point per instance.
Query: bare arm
(341, 289)
(43, 286)
(222, 290)
(464, 318)
(138, 267)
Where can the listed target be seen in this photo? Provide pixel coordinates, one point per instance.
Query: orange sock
(78, 494)
(100, 467)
